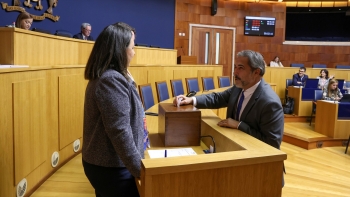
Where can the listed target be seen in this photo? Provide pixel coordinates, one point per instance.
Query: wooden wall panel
(70, 108)
(28, 126)
(32, 48)
(232, 13)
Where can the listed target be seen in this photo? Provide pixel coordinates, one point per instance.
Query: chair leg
(311, 117)
(347, 145)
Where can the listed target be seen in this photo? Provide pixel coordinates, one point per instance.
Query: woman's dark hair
(278, 59)
(20, 17)
(109, 51)
(325, 71)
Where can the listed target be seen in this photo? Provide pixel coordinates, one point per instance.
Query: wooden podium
(183, 59)
(243, 165)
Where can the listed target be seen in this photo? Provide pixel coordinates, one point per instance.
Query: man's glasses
(89, 30)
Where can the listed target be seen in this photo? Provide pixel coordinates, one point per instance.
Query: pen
(165, 153)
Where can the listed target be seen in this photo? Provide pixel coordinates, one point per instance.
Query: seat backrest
(41, 30)
(318, 95)
(208, 83)
(192, 84)
(224, 81)
(342, 66)
(319, 66)
(64, 33)
(176, 87)
(146, 95)
(296, 65)
(162, 91)
(289, 82)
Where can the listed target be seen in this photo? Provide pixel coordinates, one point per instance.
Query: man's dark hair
(109, 51)
(303, 68)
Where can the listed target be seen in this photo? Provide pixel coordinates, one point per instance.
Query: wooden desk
(24, 47)
(327, 122)
(274, 86)
(301, 108)
(243, 166)
(278, 75)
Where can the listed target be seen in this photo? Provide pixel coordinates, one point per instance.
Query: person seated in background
(24, 21)
(276, 62)
(300, 78)
(332, 92)
(323, 79)
(85, 32)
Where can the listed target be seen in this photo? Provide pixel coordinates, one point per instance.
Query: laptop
(311, 83)
(346, 98)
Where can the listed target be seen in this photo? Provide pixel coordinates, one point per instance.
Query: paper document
(171, 152)
(14, 66)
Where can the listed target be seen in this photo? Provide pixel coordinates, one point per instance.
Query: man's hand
(230, 123)
(182, 100)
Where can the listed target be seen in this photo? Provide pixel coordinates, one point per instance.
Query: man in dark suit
(261, 114)
(85, 32)
(252, 106)
(299, 79)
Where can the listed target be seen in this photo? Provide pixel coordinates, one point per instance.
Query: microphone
(183, 52)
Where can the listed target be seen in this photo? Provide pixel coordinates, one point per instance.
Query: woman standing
(323, 79)
(332, 92)
(113, 116)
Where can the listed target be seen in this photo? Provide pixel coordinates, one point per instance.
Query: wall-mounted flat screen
(259, 26)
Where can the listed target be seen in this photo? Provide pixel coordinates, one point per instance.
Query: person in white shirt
(276, 62)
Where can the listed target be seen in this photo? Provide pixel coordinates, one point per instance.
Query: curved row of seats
(320, 66)
(177, 88)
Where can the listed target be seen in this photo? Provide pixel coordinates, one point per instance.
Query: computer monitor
(41, 30)
(141, 45)
(340, 83)
(346, 98)
(311, 83)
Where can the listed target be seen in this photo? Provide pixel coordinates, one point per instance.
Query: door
(213, 46)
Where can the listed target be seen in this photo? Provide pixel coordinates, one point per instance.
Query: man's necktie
(239, 106)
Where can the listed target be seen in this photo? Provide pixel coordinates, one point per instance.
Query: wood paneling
(71, 90)
(29, 128)
(154, 56)
(31, 48)
(232, 13)
(29, 123)
(327, 122)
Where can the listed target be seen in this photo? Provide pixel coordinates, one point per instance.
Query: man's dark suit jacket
(297, 78)
(80, 36)
(262, 117)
